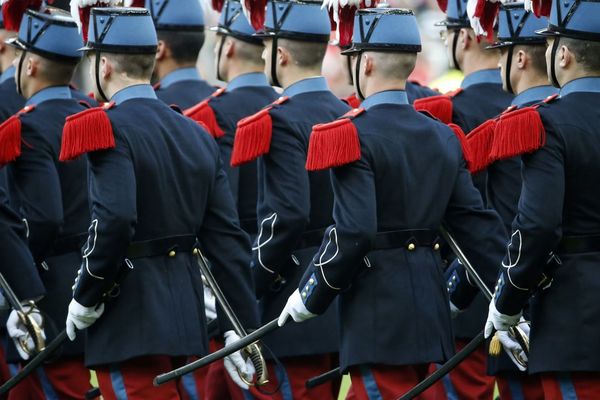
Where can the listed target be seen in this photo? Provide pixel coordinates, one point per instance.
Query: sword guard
(35, 331)
(260, 365)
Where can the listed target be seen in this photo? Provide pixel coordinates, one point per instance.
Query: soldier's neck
(35, 85)
(165, 67)
(122, 82)
(289, 77)
(476, 61)
(528, 81)
(234, 70)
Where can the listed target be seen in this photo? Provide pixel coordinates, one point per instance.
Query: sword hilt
(35, 331)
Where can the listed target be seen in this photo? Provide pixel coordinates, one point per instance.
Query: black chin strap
(454, 47)
(219, 77)
(98, 84)
(359, 94)
(553, 78)
(274, 80)
(509, 87)
(18, 77)
(349, 68)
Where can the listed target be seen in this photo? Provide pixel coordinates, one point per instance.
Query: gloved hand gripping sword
(26, 317)
(253, 349)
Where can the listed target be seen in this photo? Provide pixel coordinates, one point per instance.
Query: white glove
(511, 346)
(499, 321)
(81, 317)
(210, 308)
(296, 309)
(19, 334)
(454, 311)
(235, 363)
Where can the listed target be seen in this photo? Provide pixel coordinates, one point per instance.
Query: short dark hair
(57, 72)
(586, 52)
(395, 64)
(249, 52)
(305, 54)
(537, 54)
(184, 46)
(136, 66)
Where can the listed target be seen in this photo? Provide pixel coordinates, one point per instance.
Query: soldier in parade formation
(164, 223)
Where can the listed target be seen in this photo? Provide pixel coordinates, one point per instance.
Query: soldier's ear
(521, 59)
(564, 56)
(464, 38)
(368, 64)
(161, 50)
(106, 68)
(229, 47)
(31, 66)
(283, 56)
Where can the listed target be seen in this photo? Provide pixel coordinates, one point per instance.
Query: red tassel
(257, 9)
(86, 131)
(217, 5)
(479, 142)
(204, 113)
(253, 135)
(443, 4)
(463, 142)
(333, 144)
(542, 8)
(352, 101)
(438, 106)
(13, 11)
(518, 132)
(487, 12)
(10, 139)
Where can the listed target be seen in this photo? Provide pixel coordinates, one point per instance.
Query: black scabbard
(217, 355)
(323, 378)
(34, 363)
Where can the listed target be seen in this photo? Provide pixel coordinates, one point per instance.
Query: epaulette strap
(253, 135)
(88, 130)
(352, 101)
(203, 112)
(463, 143)
(10, 137)
(439, 106)
(334, 144)
(517, 133)
(551, 98)
(479, 142)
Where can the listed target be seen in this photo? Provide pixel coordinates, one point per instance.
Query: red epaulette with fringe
(10, 137)
(479, 142)
(334, 144)
(439, 106)
(253, 135)
(203, 113)
(519, 132)
(88, 130)
(462, 138)
(352, 101)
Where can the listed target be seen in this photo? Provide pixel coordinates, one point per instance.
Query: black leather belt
(579, 244)
(410, 239)
(68, 244)
(167, 246)
(312, 238)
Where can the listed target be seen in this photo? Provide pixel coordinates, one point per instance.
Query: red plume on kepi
(80, 11)
(342, 17)
(255, 12)
(13, 11)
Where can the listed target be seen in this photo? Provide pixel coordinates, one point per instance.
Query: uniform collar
(49, 93)
(8, 74)
(385, 97)
(316, 84)
(142, 91)
(483, 76)
(533, 95)
(249, 79)
(591, 84)
(178, 75)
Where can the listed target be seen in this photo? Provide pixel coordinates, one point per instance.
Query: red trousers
(571, 386)
(287, 380)
(384, 382)
(519, 387)
(469, 379)
(65, 379)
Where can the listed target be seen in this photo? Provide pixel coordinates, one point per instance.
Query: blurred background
(432, 66)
